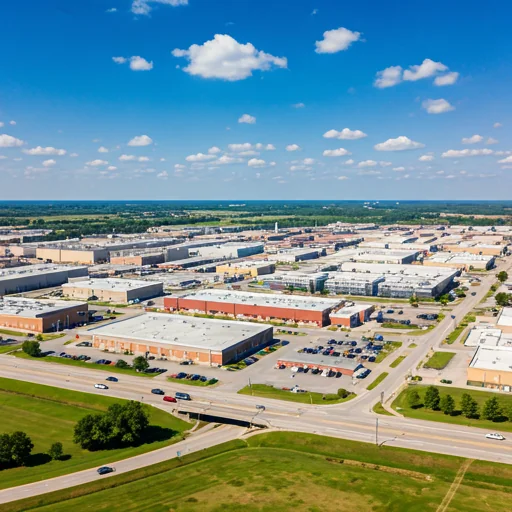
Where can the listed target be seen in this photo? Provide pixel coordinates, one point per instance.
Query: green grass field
(397, 361)
(396, 325)
(283, 471)
(83, 364)
(48, 414)
(400, 404)
(6, 348)
(380, 410)
(264, 391)
(439, 360)
(387, 349)
(377, 381)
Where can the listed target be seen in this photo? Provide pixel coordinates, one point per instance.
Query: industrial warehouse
(113, 290)
(41, 315)
(296, 309)
(344, 365)
(177, 337)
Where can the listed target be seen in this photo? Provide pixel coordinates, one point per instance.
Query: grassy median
(439, 360)
(377, 381)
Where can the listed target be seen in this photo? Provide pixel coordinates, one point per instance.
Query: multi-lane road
(351, 420)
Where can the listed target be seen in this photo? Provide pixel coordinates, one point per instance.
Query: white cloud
(343, 178)
(426, 158)
(1, 124)
(399, 169)
(367, 163)
(127, 158)
(137, 63)
(401, 143)
(143, 159)
(369, 173)
(507, 160)
(112, 9)
(249, 153)
(111, 168)
(388, 77)
(12, 123)
(336, 152)
(426, 69)
(119, 60)
(292, 147)
(349, 162)
(268, 147)
(162, 175)
(314, 11)
(308, 161)
(143, 6)
(437, 106)
(456, 153)
(336, 40)
(474, 139)
(49, 163)
(385, 164)
(40, 151)
(102, 149)
(345, 134)
(491, 140)
(96, 163)
(225, 58)
(449, 177)
(199, 157)
(141, 140)
(497, 125)
(180, 167)
(214, 150)
(440, 172)
(73, 155)
(298, 105)
(255, 162)
(448, 79)
(225, 159)
(162, 159)
(247, 119)
(7, 141)
(246, 146)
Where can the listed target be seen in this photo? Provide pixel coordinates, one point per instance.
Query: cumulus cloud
(399, 169)
(12, 123)
(140, 140)
(497, 125)
(102, 149)
(426, 69)
(7, 141)
(507, 160)
(474, 139)
(388, 77)
(437, 106)
(345, 134)
(426, 158)
(180, 167)
(247, 119)
(73, 155)
(162, 175)
(491, 140)
(448, 79)
(137, 63)
(225, 58)
(298, 105)
(336, 152)
(214, 150)
(226, 159)
(457, 153)
(112, 9)
(292, 147)
(143, 159)
(49, 163)
(343, 178)
(96, 163)
(119, 60)
(337, 40)
(199, 157)
(40, 151)
(367, 163)
(401, 143)
(245, 146)
(111, 168)
(127, 158)
(259, 163)
(251, 152)
(144, 6)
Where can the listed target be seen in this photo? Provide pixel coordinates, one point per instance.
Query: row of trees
(120, 425)
(468, 406)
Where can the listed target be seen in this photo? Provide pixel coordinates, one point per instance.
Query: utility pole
(377, 431)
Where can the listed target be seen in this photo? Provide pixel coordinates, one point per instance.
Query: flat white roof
(492, 358)
(505, 318)
(181, 330)
(121, 285)
(30, 270)
(32, 308)
(458, 257)
(348, 311)
(264, 299)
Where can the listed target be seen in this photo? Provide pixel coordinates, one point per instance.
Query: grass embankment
(460, 328)
(83, 364)
(40, 337)
(439, 360)
(264, 391)
(396, 325)
(107, 304)
(387, 349)
(49, 414)
(397, 361)
(210, 382)
(6, 348)
(380, 410)
(283, 471)
(377, 381)
(400, 404)
(413, 345)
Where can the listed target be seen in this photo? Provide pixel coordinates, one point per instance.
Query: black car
(185, 362)
(112, 379)
(105, 470)
(157, 391)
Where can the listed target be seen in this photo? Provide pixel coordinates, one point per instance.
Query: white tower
(276, 229)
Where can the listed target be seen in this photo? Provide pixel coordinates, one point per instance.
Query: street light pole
(377, 431)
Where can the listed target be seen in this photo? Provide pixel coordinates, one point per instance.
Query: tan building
(474, 248)
(41, 315)
(113, 290)
(248, 268)
(491, 367)
(461, 260)
(72, 254)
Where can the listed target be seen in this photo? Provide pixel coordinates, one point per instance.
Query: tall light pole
(377, 431)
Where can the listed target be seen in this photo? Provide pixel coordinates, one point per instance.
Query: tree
(413, 399)
(468, 406)
(491, 410)
(140, 363)
(343, 393)
(39, 337)
(502, 299)
(502, 276)
(121, 363)
(508, 412)
(32, 348)
(21, 446)
(447, 404)
(5, 450)
(432, 398)
(56, 451)
(413, 299)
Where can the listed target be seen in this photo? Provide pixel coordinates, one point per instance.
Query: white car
(497, 437)
(100, 386)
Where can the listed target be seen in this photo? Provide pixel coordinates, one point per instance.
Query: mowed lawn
(285, 471)
(49, 414)
(401, 405)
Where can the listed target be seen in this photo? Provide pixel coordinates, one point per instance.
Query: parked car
(105, 470)
(100, 386)
(181, 375)
(473, 293)
(183, 363)
(112, 379)
(157, 391)
(195, 377)
(445, 381)
(495, 436)
(169, 398)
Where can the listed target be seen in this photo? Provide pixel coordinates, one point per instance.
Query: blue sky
(360, 100)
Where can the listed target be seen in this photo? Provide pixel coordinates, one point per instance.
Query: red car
(169, 399)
